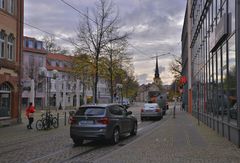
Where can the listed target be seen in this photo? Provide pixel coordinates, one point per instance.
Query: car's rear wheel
(115, 136)
(77, 141)
(134, 129)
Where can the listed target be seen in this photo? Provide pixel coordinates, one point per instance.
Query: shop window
(2, 43)
(5, 100)
(232, 78)
(10, 47)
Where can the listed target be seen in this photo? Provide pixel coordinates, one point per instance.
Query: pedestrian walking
(29, 113)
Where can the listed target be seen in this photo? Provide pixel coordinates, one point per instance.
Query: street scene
(178, 139)
(118, 81)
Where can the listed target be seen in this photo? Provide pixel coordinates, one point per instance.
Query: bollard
(174, 109)
(65, 118)
(58, 119)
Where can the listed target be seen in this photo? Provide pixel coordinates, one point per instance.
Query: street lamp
(43, 73)
(119, 87)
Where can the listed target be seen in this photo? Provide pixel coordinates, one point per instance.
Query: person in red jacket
(29, 113)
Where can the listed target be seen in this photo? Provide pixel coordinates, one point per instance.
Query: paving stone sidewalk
(20, 130)
(179, 140)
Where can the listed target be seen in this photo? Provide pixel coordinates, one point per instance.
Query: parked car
(233, 111)
(102, 121)
(151, 110)
(125, 103)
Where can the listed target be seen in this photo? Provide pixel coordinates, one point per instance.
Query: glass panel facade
(214, 62)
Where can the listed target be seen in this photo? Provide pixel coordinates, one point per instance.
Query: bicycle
(47, 121)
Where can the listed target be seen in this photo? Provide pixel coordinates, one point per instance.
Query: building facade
(11, 32)
(64, 90)
(184, 40)
(213, 49)
(34, 57)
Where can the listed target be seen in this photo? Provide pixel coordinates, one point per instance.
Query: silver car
(102, 121)
(151, 110)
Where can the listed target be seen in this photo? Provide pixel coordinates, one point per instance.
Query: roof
(33, 50)
(61, 57)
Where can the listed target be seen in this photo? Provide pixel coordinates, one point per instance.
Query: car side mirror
(129, 113)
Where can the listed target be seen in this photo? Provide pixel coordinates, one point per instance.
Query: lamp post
(119, 87)
(44, 74)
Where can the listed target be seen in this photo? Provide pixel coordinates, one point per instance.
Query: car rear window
(150, 106)
(91, 111)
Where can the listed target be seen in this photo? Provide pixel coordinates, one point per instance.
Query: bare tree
(176, 68)
(93, 34)
(51, 46)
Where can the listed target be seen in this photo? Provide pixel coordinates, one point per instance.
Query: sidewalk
(20, 130)
(178, 140)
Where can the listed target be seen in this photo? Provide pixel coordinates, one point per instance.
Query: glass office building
(215, 69)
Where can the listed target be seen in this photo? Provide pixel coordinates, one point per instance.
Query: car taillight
(141, 110)
(73, 120)
(158, 110)
(104, 121)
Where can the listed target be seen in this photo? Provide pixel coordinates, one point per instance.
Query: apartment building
(11, 32)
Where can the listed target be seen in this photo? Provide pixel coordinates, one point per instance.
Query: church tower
(156, 78)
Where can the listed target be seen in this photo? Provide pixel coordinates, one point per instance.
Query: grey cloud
(157, 24)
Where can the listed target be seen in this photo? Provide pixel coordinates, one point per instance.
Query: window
(5, 100)
(2, 4)
(39, 45)
(11, 6)
(30, 66)
(25, 43)
(115, 110)
(10, 47)
(30, 44)
(2, 44)
(232, 14)
(40, 61)
(91, 111)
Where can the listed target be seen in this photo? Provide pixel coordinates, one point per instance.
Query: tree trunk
(96, 80)
(111, 80)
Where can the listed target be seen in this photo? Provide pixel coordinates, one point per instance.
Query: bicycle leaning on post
(47, 121)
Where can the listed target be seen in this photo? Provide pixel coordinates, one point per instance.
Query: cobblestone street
(170, 140)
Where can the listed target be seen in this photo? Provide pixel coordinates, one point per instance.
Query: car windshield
(91, 111)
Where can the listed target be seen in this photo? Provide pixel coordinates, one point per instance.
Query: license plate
(148, 110)
(85, 122)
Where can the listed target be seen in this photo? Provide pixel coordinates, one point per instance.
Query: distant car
(102, 121)
(162, 103)
(125, 103)
(151, 110)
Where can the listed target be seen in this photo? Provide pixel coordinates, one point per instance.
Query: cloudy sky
(156, 27)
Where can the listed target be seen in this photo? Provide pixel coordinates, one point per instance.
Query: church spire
(156, 69)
